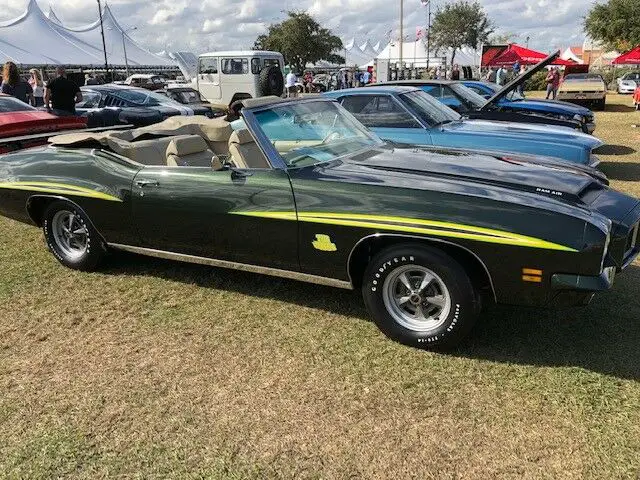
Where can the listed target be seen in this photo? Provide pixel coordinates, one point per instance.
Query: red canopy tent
(629, 58)
(515, 53)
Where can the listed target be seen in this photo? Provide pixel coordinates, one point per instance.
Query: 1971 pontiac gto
(307, 192)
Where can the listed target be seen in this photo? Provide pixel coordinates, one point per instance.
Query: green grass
(153, 369)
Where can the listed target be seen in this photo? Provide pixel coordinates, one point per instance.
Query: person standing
(553, 82)
(61, 93)
(455, 73)
(292, 90)
(13, 85)
(37, 86)
(366, 77)
(308, 81)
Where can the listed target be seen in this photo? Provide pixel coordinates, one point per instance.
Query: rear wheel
(420, 296)
(71, 238)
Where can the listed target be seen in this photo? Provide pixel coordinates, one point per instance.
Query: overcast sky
(224, 24)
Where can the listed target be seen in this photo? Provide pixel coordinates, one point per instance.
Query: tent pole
(401, 29)
(126, 61)
(104, 45)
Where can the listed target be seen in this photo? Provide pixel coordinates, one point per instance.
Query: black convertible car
(112, 104)
(300, 189)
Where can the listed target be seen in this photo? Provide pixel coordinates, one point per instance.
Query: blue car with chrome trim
(410, 116)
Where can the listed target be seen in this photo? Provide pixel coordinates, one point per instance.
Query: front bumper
(582, 96)
(626, 89)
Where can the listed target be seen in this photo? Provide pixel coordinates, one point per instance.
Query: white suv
(224, 77)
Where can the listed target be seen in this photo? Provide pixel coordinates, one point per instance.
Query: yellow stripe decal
(412, 225)
(58, 188)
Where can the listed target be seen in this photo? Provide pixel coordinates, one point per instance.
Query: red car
(636, 98)
(23, 126)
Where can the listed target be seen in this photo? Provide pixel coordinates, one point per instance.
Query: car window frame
(419, 124)
(216, 69)
(243, 61)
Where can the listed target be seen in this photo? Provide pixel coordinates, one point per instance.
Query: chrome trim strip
(244, 267)
(414, 237)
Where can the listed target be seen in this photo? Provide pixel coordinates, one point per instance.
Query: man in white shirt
(292, 91)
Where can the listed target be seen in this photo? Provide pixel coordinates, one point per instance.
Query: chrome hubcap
(70, 234)
(416, 298)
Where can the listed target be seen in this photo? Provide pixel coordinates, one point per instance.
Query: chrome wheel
(416, 298)
(70, 234)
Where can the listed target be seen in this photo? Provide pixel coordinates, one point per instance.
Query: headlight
(579, 118)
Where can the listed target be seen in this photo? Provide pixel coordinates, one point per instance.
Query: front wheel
(420, 296)
(71, 238)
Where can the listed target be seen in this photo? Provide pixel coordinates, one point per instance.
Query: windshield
(428, 108)
(632, 76)
(578, 77)
(143, 97)
(187, 96)
(468, 95)
(513, 95)
(313, 132)
(11, 104)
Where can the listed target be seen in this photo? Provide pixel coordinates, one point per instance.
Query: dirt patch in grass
(152, 369)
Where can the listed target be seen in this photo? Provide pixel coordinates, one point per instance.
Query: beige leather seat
(245, 152)
(191, 151)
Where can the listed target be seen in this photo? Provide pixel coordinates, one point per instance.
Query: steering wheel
(333, 135)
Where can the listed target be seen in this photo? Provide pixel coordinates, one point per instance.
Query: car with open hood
(409, 115)
(489, 101)
(307, 192)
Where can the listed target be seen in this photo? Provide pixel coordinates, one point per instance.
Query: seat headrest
(186, 145)
(241, 137)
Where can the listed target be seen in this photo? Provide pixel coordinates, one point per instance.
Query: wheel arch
(239, 96)
(368, 246)
(37, 204)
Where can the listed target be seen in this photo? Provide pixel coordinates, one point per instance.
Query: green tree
(615, 24)
(301, 40)
(460, 24)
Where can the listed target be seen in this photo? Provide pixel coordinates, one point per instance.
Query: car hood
(561, 182)
(32, 122)
(515, 132)
(520, 79)
(555, 106)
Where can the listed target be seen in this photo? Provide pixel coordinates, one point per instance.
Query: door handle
(237, 174)
(147, 183)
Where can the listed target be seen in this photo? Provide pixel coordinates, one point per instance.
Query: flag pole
(104, 45)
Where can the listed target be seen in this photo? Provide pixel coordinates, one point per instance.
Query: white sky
(223, 24)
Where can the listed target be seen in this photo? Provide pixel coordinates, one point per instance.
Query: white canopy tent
(416, 53)
(38, 39)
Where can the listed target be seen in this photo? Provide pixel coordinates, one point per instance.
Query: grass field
(153, 369)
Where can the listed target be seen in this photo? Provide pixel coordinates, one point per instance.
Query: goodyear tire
(71, 237)
(271, 81)
(420, 296)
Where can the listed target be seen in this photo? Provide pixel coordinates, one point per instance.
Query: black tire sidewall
(95, 247)
(464, 301)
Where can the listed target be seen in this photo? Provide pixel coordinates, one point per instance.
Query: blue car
(409, 115)
(513, 101)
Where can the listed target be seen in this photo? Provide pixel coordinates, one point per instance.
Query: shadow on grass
(624, 171)
(335, 300)
(603, 337)
(618, 107)
(615, 150)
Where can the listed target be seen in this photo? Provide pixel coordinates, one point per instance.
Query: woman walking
(13, 85)
(37, 85)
